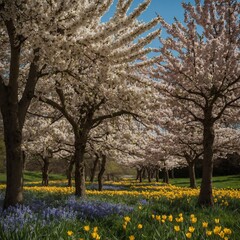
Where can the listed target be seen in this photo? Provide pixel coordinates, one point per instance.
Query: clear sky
(168, 9)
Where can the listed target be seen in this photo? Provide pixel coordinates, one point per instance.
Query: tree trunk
(140, 175)
(14, 161)
(149, 174)
(101, 172)
(94, 169)
(157, 175)
(206, 196)
(165, 176)
(69, 172)
(191, 169)
(45, 171)
(80, 188)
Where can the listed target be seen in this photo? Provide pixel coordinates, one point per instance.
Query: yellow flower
(193, 220)
(188, 235)
(191, 229)
(140, 207)
(95, 229)
(140, 226)
(153, 216)
(69, 233)
(180, 219)
(226, 238)
(170, 218)
(81, 238)
(227, 231)
(177, 228)
(127, 219)
(180, 214)
(192, 216)
(131, 237)
(158, 217)
(205, 224)
(221, 234)
(217, 230)
(208, 233)
(94, 234)
(163, 221)
(86, 228)
(164, 217)
(216, 220)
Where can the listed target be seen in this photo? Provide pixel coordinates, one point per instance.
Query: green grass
(34, 177)
(231, 181)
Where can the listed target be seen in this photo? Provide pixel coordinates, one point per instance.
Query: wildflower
(221, 234)
(193, 220)
(140, 207)
(227, 231)
(180, 219)
(86, 228)
(217, 230)
(153, 216)
(95, 229)
(158, 217)
(177, 228)
(188, 235)
(131, 237)
(208, 233)
(205, 224)
(170, 218)
(226, 238)
(164, 217)
(191, 229)
(69, 233)
(180, 214)
(127, 219)
(125, 225)
(192, 216)
(140, 226)
(216, 220)
(163, 221)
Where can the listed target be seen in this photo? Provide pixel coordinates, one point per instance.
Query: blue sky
(168, 9)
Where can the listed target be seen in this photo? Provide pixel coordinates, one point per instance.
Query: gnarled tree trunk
(69, 172)
(192, 176)
(45, 171)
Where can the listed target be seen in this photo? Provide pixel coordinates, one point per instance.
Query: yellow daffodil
(205, 224)
(193, 220)
(170, 218)
(127, 219)
(191, 229)
(86, 228)
(216, 220)
(177, 228)
(208, 233)
(221, 234)
(131, 237)
(227, 231)
(217, 229)
(69, 233)
(140, 226)
(158, 217)
(188, 235)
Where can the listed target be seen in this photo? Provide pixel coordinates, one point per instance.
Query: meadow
(124, 210)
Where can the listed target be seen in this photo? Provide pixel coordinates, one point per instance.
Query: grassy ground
(232, 181)
(136, 212)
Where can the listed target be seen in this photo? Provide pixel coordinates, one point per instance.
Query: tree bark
(149, 174)
(206, 196)
(93, 170)
(14, 161)
(140, 174)
(69, 172)
(45, 171)
(157, 174)
(192, 176)
(80, 188)
(165, 176)
(101, 172)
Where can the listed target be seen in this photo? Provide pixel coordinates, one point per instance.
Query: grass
(231, 181)
(158, 217)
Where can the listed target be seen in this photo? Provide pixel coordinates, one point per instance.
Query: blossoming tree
(200, 69)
